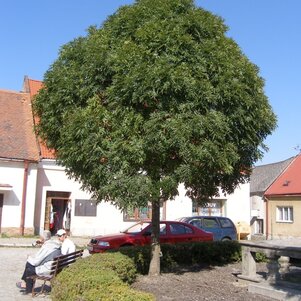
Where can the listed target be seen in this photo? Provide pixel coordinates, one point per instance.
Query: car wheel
(226, 239)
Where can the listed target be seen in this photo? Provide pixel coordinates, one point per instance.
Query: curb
(19, 245)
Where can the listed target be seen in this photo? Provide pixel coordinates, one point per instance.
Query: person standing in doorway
(68, 245)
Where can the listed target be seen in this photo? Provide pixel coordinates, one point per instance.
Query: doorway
(57, 211)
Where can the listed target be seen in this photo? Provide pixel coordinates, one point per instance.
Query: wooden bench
(59, 263)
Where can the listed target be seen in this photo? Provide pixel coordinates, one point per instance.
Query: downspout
(266, 218)
(23, 208)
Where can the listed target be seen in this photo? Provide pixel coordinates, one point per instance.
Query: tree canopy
(156, 96)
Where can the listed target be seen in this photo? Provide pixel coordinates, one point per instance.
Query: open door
(57, 212)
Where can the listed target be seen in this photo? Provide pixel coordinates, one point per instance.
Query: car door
(211, 224)
(228, 228)
(179, 233)
(148, 232)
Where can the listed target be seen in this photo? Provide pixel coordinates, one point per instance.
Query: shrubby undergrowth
(97, 278)
(107, 276)
(185, 254)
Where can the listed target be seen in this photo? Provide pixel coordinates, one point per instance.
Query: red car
(140, 234)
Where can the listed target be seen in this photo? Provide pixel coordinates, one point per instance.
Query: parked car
(222, 227)
(140, 234)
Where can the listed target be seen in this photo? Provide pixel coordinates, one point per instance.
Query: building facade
(55, 201)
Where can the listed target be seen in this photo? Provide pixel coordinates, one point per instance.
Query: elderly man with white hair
(68, 245)
(45, 236)
(40, 263)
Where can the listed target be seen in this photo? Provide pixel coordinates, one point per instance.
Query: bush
(106, 276)
(122, 265)
(260, 257)
(98, 277)
(219, 252)
(140, 255)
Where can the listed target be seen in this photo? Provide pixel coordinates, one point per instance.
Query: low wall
(278, 255)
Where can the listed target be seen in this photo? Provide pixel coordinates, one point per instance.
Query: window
(284, 214)
(210, 223)
(136, 228)
(85, 208)
(196, 222)
(162, 229)
(142, 213)
(214, 208)
(226, 223)
(179, 229)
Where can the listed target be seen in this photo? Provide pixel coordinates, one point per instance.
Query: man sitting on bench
(39, 264)
(68, 245)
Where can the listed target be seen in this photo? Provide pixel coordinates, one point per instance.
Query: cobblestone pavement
(12, 262)
(13, 255)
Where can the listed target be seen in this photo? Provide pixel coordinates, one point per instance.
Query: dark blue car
(221, 227)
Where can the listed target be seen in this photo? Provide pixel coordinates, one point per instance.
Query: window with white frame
(285, 214)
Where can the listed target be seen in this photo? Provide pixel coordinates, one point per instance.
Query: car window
(226, 223)
(162, 229)
(177, 229)
(210, 223)
(137, 228)
(196, 222)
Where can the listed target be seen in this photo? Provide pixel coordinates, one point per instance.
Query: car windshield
(137, 228)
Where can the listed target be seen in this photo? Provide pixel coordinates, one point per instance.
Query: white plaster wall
(108, 220)
(238, 204)
(257, 203)
(30, 195)
(179, 207)
(12, 173)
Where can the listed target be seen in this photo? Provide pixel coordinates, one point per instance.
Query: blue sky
(267, 31)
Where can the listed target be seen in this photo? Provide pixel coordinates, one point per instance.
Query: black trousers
(29, 270)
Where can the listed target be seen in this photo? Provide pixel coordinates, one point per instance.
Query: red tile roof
(289, 182)
(32, 87)
(17, 138)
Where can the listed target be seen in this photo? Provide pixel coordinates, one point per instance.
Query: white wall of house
(53, 178)
(179, 207)
(109, 219)
(12, 173)
(258, 206)
(238, 204)
(258, 216)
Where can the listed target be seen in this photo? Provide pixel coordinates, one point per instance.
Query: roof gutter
(17, 160)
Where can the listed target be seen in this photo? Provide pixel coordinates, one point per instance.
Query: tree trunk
(154, 267)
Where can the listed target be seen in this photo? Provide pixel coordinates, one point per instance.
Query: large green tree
(156, 96)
